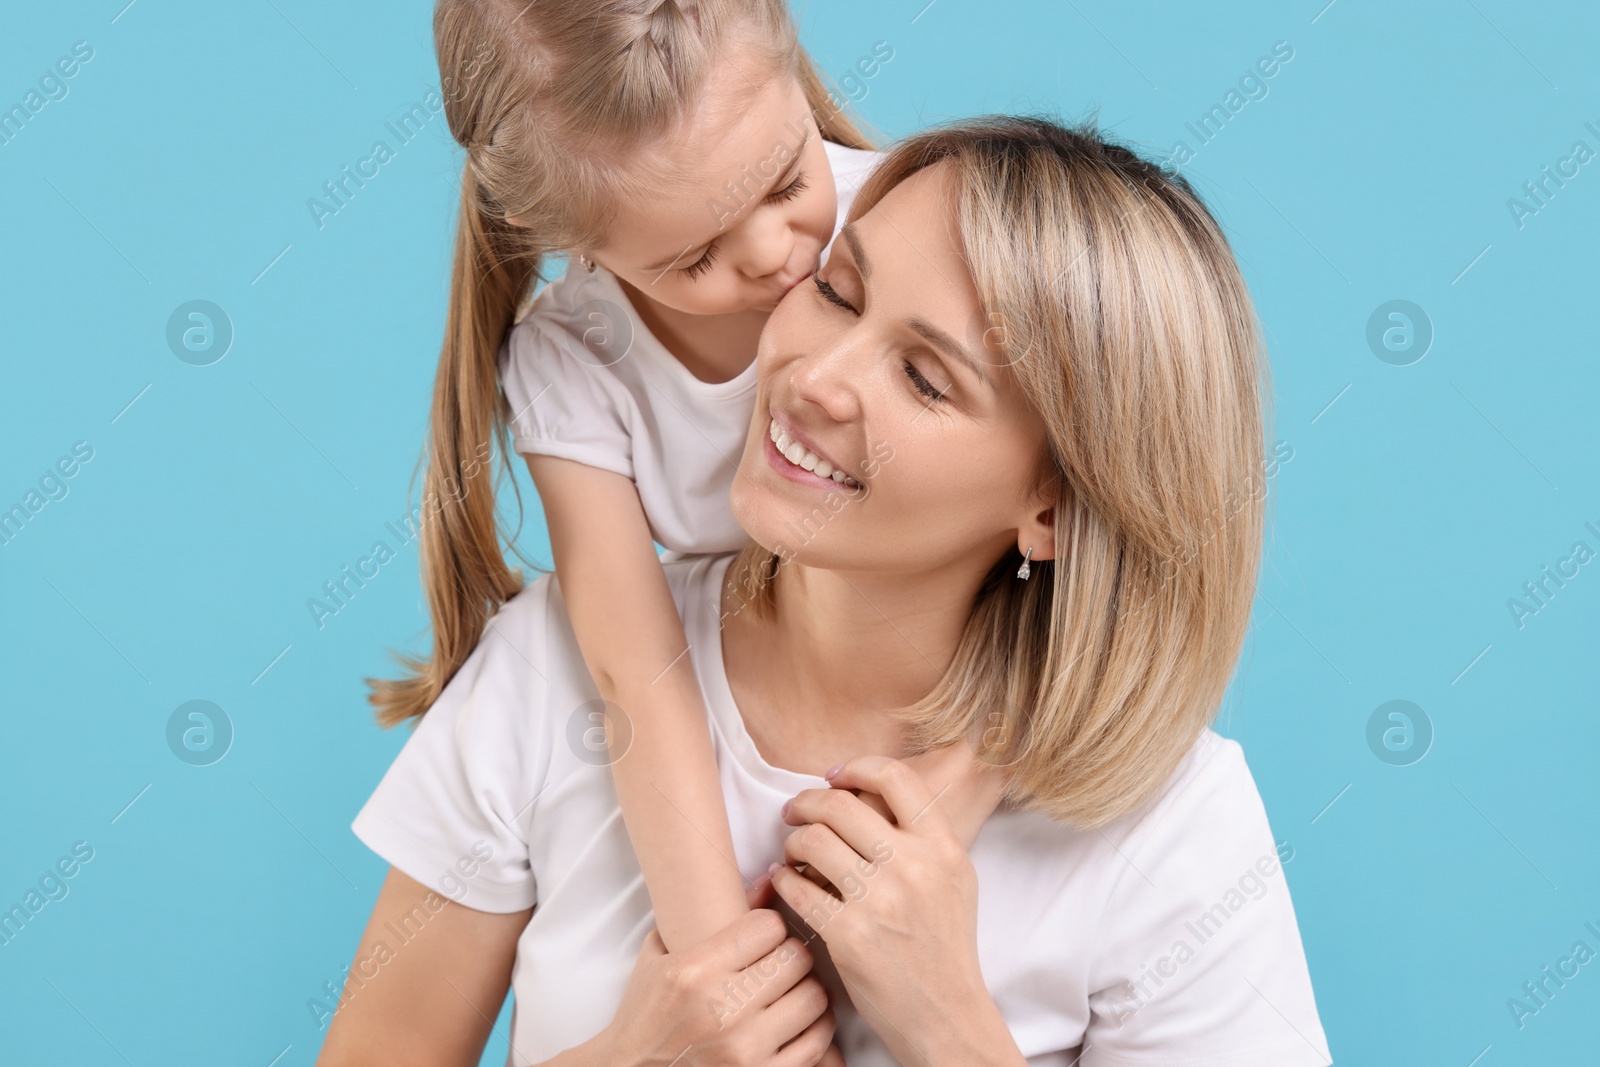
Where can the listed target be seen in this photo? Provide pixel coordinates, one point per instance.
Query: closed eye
(701, 265)
(709, 256)
(918, 381)
(790, 191)
(832, 296)
(922, 385)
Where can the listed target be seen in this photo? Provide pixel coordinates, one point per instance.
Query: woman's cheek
(788, 318)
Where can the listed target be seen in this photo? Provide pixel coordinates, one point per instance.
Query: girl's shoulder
(569, 304)
(581, 319)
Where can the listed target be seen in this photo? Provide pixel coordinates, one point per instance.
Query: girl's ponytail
(464, 570)
(834, 122)
(538, 95)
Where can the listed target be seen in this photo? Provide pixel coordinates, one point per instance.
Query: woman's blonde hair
(1115, 299)
(545, 97)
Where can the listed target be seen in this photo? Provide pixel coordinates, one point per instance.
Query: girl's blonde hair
(1117, 302)
(544, 97)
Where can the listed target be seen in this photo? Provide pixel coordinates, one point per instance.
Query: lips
(800, 457)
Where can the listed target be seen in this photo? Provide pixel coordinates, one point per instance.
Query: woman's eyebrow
(849, 236)
(948, 345)
(778, 182)
(935, 336)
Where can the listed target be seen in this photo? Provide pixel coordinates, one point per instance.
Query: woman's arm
(432, 1000)
(633, 643)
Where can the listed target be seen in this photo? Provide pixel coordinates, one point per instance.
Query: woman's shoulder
(1208, 805)
(1195, 921)
(1206, 823)
(527, 681)
(537, 631)
(1209, 791)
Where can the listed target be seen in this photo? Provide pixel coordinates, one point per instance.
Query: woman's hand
(741, 998)
(965, 788)
(903, 929)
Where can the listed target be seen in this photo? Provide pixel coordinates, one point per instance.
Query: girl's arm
(633, 643)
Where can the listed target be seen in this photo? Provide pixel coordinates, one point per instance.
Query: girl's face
(879, 366)
(754, 212)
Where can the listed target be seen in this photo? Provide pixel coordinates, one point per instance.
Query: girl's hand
(903, 931)
(677, 1009)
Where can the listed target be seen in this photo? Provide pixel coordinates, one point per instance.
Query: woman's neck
(713, 348)
(818, 683)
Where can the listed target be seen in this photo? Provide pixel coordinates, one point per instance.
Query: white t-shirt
(1167, 939)
(586, 380)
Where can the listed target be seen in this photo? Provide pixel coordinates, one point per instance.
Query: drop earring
(1024, 570)
(586, 263)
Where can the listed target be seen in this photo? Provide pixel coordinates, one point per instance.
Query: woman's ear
(1039, 533)
(1036, 528)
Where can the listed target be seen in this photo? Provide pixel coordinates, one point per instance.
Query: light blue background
(1378, 167)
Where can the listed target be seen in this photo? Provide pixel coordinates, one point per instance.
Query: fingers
(877, 804)
(805, 1013)
(815, 906)
(747, 939)
(845, 868)
(815, 875)
(757, 893)
(848, 817)
(774, 975)
(907, 795)
(831, 1057)
(968, 790)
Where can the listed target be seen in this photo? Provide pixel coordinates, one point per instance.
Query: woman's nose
(829, 378)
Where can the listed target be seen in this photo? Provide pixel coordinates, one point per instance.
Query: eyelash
(918, 382)
(922, 385)
(703, 264)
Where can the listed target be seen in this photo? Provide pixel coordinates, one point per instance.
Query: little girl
(687, 161)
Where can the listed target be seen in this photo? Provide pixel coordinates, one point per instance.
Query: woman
(1036, 353)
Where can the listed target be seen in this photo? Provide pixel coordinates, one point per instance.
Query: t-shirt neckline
(725, 715)
(645, 342)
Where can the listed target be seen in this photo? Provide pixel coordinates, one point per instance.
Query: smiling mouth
(797, 455)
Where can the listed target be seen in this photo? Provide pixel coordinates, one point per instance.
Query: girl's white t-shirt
(586, 380)
(1167, 939)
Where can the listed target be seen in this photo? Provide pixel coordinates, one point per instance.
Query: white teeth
(802, 457)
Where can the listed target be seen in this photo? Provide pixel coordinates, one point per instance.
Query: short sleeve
(1198, 959)
(453, 809)
(560, 403)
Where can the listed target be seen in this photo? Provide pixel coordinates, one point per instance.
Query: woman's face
(879, 367)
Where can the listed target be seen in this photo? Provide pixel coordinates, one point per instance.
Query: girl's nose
(768, 245)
